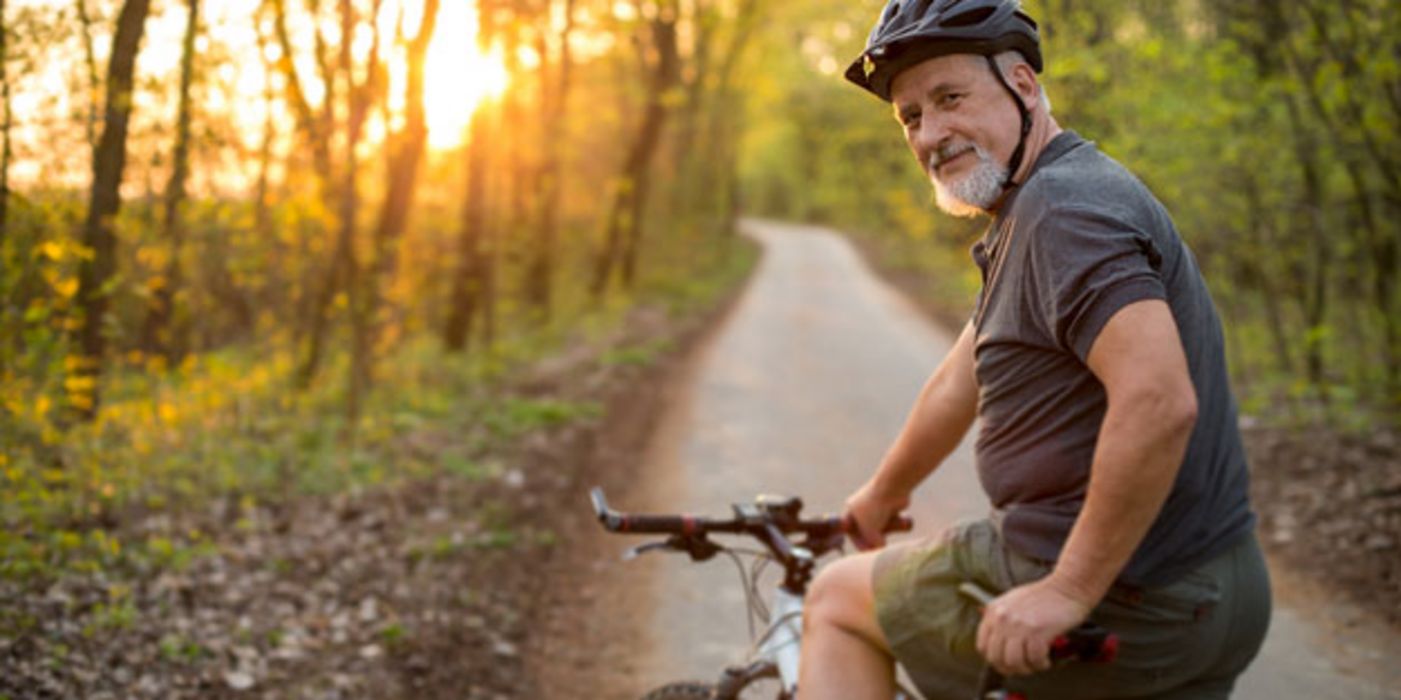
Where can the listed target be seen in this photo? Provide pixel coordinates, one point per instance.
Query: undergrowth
(228, 427)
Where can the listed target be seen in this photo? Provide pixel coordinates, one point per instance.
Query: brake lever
(698, 547)
(635, 552)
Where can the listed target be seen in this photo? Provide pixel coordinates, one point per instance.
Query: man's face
(962, 127)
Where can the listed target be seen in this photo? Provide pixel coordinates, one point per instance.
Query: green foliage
(228, 425)
(392, 635)
(178, 649)
(1269, 130)
(643, 354)
(513, 416)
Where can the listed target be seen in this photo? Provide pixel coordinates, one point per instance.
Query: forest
(247, 247)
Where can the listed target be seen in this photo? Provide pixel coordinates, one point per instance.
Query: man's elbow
(1184, 412)
(1169, 407)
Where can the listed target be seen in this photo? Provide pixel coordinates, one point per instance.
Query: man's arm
(1150, 415)
(940, 417)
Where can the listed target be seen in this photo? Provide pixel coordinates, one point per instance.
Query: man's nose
(931, 134)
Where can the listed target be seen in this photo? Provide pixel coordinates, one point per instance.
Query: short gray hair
(1007, 59)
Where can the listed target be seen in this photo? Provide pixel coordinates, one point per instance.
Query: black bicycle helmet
(912, 31)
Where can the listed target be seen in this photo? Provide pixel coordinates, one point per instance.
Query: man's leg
(845, 655)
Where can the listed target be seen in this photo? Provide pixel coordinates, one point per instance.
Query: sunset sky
(49, 99)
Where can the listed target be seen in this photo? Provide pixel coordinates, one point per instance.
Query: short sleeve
(1087, 266)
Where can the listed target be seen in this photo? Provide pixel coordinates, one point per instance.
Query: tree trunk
(1381, 249)
(94, 79)
(262, 213)
(554, 98)
(471, 300)
(520, 175)
(623, 240)
(471, 283)
(1253, 276)
(722, 173)
(316, 131)
(342, 272)
(95, 273)
(688, 194)
(162, 332)
(1314, 291)
(6, 150)
(406, 151)
(359, 102)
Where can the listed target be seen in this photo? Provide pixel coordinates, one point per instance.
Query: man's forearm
(1136, 461)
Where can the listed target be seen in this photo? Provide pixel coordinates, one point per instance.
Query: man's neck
(1043, 129)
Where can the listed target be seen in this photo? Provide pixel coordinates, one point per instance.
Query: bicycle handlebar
(782, 517)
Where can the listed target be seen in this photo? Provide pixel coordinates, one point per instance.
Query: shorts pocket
(1191, 598)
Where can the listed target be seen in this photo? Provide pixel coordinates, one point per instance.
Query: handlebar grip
(1088, 642)
(900, 523)
(666, 524)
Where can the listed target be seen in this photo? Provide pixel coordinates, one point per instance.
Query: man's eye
(910, 119)
(951, 99)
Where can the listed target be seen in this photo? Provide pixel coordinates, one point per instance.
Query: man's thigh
(1187, 640)
(1198, 632)
(930, 627)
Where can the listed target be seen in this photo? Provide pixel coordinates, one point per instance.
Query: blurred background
(246, 247)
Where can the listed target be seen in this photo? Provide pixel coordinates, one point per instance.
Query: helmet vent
(891, 11)
(969, 18)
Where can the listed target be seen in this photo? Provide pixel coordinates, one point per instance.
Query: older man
(1107, 438)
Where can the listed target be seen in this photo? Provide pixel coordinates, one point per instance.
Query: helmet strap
(1016, 162)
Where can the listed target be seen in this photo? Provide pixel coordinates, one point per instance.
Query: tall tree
(162, 332)
(94, 79)
(337, 182)
(473, 281)
(6, 150)
(405, 153)
(96, 271)
(624, 228)
(554, 99)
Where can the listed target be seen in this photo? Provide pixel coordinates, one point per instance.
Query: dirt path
(800, 391)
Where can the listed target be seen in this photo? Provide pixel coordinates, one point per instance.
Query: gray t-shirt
(1078, 241)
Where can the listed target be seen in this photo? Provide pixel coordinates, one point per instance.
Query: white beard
(975, 192)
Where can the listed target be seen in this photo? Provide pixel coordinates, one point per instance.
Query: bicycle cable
(748, 593)
(769, 632)
(760, 608)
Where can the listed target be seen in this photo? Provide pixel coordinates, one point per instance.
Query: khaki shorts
(1185, 640)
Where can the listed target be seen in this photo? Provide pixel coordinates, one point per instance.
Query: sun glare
(458, 78)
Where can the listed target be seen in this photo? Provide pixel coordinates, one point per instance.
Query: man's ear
(1023, 80)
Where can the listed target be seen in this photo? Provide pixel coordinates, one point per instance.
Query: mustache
(949, 151)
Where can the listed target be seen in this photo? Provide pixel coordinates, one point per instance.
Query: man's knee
(842, 596)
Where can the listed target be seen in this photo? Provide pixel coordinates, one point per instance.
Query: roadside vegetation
(304, 307)
(304, 304)
(1268, 130)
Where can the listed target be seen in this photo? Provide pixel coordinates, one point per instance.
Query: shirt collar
(1063, 143)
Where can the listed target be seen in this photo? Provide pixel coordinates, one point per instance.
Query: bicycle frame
(769, 520)
(783, 641)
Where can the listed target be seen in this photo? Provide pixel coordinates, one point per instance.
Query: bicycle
(774, 653)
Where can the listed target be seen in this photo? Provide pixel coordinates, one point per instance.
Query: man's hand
(1018, 627)
(870, 510)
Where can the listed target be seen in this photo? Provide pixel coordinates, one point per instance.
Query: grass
(228, 425)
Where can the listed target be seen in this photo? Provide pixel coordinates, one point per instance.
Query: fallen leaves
(1330, 503)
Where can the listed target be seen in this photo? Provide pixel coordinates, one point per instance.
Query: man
(1107, 435)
